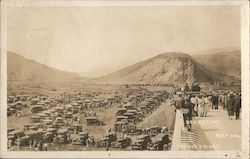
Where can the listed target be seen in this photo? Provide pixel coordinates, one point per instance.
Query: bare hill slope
(20, 68)
(164, 68)
(227, 62)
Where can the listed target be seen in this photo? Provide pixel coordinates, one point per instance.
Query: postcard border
(131, 154)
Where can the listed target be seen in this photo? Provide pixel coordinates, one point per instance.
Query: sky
(94, 41)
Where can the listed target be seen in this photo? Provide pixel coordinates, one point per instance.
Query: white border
(131, 154)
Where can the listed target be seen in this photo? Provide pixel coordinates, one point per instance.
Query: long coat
(207, 105)
(230, 107)
(200, 106)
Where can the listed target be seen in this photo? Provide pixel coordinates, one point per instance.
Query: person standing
(223, 101)
(194, 101)
(188, 115)
(200, 105)
(230, 106)
(237, 106)
(18, 142)
(30, 143)
(10, 144)
(215, 101)
(179, 102)
(206, 106)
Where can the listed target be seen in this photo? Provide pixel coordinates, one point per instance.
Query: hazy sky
(98, 40)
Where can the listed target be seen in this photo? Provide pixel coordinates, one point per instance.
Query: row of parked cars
(56, 116)
(134, 108)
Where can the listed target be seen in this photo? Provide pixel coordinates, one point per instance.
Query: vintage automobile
(121, 111)
(83, 137)
(62, 136)
(122, 142)
(10, 129)
(34, 101)
(37, 108)
(93, 121)
(119, 118)
(75, 140)
(120, 125)
(131, 129)
(47, 113)
(59, 109)
(75, 128)
(47, 122)
(35, 119)
(158, 142)
(69, 107)
(68, 115)
(129, 106)
(131, 117)
(50, 134)
(15, 134)
(108, 139)
(10, 111)
(141, 142)
(80, 139)
(41, 115)
(35, 135)
(53, 131)
(58, 122)
(143, 109)
(24, 140)
(154, 130)
(34, 126)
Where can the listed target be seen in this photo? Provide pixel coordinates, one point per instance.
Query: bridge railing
(178, 128)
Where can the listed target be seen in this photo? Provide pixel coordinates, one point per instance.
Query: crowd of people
(198, 104)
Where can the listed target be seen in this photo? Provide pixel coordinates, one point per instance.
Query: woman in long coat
(200, 105)
(207, 104)
(230, 107)
(194, 101)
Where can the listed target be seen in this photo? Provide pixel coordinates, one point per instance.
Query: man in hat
(179, 101)
(231, 106)
(237, 105)
(215, 101)
(188, 115)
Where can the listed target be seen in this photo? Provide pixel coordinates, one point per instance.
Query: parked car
(108, 139)
(123, 142)
(36, 108)
(76, 128)
(24, 140)
(80, 139)
(62, 136)
(154, 130)
(159, 141)
(141, 142)
(35, 135)
(93, 121)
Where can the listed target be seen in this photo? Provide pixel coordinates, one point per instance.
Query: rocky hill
(165, 68)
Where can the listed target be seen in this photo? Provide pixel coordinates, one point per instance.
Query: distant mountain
(20, 68)
(165, 68)
(226, 62)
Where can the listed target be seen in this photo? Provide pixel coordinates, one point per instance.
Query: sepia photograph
(111, 77)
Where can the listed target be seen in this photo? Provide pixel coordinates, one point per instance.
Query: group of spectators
(198, 104)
